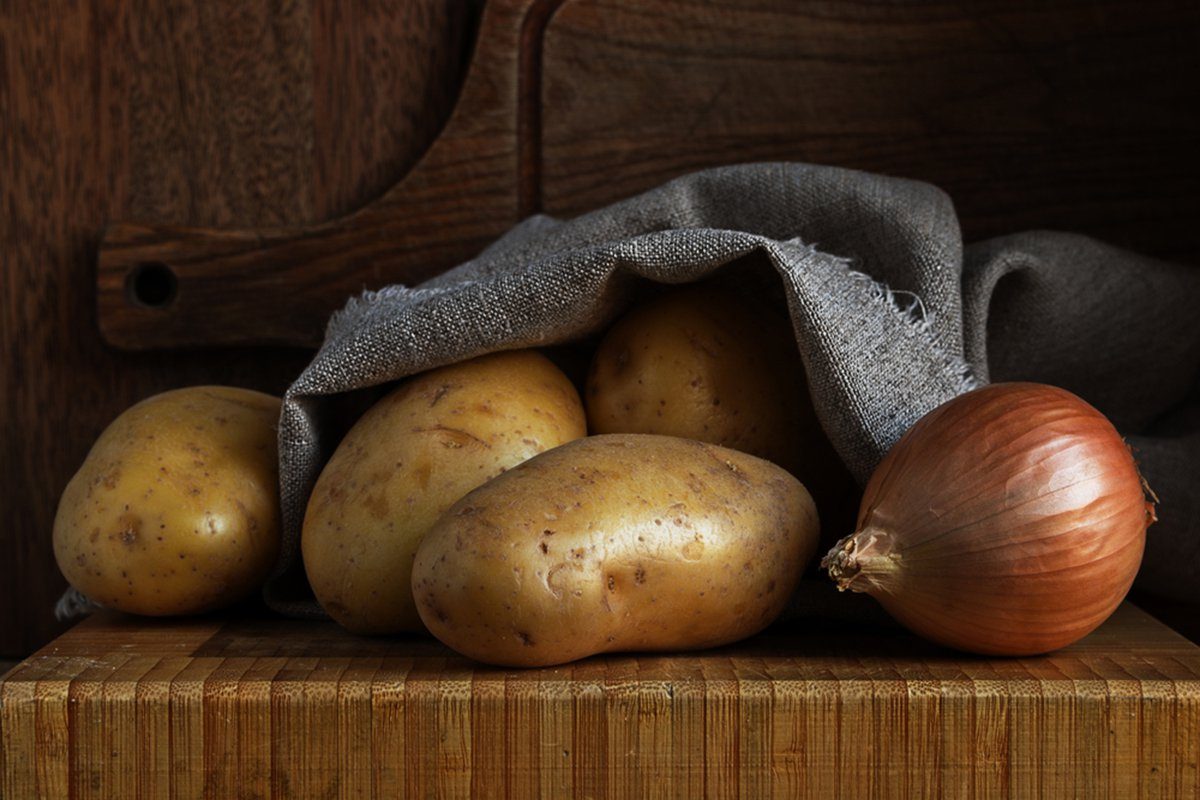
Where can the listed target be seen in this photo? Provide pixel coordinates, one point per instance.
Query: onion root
(861, 561)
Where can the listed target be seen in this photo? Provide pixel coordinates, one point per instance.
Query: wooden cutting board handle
(163, 286)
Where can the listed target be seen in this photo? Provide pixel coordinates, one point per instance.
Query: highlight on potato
(627, 542)
(175, 510)
(1010, 520)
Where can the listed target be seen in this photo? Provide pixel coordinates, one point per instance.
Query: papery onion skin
(1010, 520)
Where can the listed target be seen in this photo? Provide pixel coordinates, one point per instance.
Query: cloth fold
(891, 314)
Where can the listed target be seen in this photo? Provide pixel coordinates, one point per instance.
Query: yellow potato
(176, 508)
(619, 542)
(702, 362)
(411, 456)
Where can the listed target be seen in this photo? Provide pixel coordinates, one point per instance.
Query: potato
(700, 363)
(176, 508)
(703, 362)
(411, 456)
(619, 542)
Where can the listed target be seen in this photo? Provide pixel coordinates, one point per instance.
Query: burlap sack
(891, 315)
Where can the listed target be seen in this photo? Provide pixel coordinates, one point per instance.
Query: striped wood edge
(258, 707)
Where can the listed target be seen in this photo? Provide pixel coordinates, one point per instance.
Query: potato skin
(700, 363)
(176, 508)
(413, 454)
(704, 362)
(618, 542)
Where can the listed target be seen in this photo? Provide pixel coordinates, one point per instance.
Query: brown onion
(1008, 521)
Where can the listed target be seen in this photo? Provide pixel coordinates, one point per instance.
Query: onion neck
(862, 561)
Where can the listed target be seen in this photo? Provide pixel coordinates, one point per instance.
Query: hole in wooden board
(152, 284)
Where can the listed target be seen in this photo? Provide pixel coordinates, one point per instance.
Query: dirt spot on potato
(377, 505)
(442, 391)
(435, 609)
(693, 550)
(422, 473)
(335, 491)
(130, 528)
(454, 438)
(526, 639)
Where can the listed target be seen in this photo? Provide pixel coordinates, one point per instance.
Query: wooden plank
(1066, 115)
(386, 76)
(279, 708)
(184, 66)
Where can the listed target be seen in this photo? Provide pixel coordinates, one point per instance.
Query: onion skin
(1010, 520)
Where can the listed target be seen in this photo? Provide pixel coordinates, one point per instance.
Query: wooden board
(462, 193)
(1030, 115)
(1076, 114)
(128, 708)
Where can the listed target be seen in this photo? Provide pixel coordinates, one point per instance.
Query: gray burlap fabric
(891, 315)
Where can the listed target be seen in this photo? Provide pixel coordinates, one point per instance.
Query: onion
(1008, 521)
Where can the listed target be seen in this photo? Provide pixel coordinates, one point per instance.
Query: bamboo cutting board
(128, 708)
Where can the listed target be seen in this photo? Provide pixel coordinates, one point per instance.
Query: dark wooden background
(1073, 114)
(222, 113)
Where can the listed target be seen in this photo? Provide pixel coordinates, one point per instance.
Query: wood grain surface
(219, 113)
(1076, 114)
(128, 708)
(461, 194)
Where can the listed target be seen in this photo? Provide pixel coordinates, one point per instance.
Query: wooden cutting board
(1077, 116)
(256, 707)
